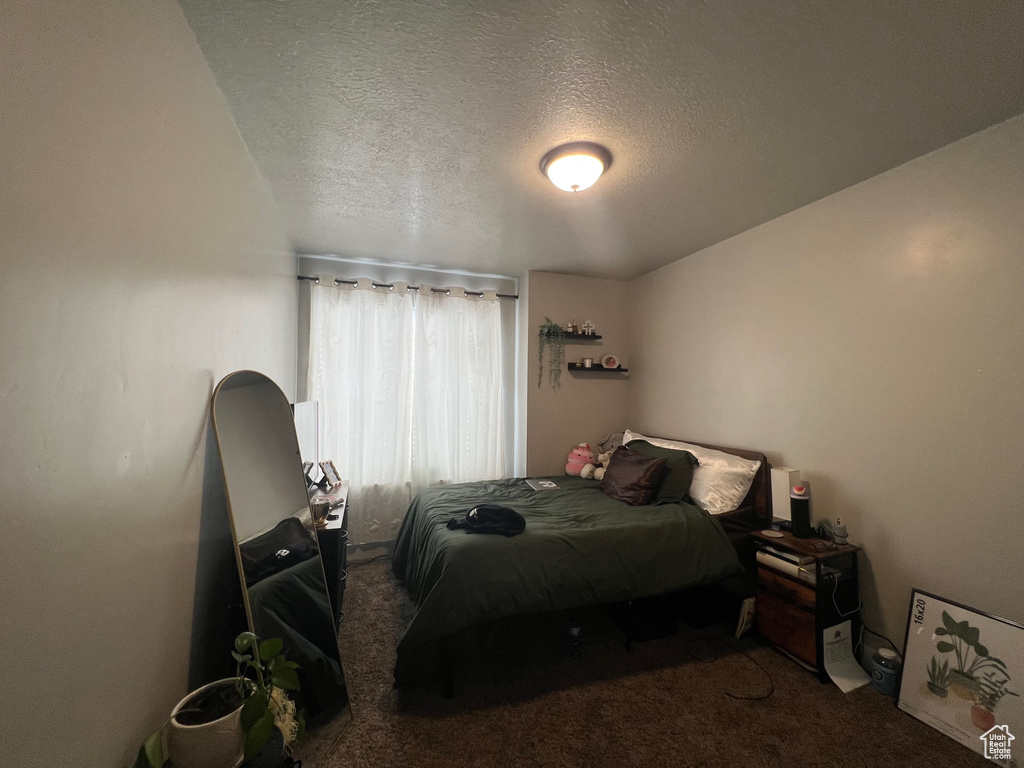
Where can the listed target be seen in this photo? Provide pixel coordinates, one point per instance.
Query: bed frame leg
(447, 669)
(629, 626)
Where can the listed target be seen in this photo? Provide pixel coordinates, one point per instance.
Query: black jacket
(490, 518)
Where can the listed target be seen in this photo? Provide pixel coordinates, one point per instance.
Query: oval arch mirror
(276, 543)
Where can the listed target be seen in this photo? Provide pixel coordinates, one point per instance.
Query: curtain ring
(447, 292)
(391, 287)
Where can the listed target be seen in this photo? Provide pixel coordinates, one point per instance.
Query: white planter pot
(217, 744)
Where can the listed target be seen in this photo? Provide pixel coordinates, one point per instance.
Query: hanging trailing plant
(551, 336)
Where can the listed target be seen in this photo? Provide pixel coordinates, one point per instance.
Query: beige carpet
(522, 699)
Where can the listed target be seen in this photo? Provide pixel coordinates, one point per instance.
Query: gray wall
(141, 261)
(588, 406)
(874, 340)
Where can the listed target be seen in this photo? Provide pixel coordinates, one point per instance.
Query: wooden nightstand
(792, 612)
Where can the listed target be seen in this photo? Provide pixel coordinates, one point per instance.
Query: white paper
(542, 485)
(840, 662)
(746, 620)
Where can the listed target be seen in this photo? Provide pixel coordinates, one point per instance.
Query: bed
(580, 548)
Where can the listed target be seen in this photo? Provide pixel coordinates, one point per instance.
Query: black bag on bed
(490, 518)
(286, 544)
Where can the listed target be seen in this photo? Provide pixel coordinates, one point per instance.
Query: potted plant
(991, 690)
(965, 641)
(938, 678)
(552, 336)
(232, 719)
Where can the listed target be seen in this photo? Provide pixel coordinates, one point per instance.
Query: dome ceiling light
(576, 166)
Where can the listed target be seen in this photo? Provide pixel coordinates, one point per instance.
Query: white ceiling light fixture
(576, 166)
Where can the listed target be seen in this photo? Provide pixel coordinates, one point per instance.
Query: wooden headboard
(757, 504)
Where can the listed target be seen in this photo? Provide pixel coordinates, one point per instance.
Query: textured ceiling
(412, 131)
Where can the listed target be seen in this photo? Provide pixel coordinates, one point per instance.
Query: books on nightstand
(805, 572)
(785, 554)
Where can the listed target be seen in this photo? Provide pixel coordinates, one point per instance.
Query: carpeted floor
(523, 699)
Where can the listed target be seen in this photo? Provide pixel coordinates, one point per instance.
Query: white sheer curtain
(410, 391)
(457, 429)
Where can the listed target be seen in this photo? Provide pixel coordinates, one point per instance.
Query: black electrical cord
(879, 634)
(367, 562)
(715, 643)
(771, 683)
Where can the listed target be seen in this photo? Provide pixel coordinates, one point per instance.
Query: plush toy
(580, 456)
(610, 443)
(597, 469)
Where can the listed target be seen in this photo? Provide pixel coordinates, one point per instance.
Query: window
(412, 393)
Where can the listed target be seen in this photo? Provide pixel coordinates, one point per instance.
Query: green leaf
(980, 649)
(253, 709)
(270, 648)
(941, 631)
(301, 733)
(151, 753)
(256, 738)
(944, 647)
(244, 641)
(972, 635)
(994, 660)
(948, 623)
(286, 678)
(142, 759)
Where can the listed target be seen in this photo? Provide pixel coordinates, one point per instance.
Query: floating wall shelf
(596, 368)
(581, 336)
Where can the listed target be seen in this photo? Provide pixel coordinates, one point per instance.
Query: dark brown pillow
(681, 464)
(633, 478)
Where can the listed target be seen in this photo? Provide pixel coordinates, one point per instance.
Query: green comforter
(580, 548)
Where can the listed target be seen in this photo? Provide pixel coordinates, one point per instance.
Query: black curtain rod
(391, 287)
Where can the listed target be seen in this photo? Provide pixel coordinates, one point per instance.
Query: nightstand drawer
(788, 626)
(785, 588)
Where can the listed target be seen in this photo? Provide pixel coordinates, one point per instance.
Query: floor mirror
(279, 562)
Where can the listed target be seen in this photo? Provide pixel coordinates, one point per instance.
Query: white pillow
(720, 480)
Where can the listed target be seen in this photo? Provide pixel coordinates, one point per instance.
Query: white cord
(835, 588)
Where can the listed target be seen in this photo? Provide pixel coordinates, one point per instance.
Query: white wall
(874, 339)
(141, 261)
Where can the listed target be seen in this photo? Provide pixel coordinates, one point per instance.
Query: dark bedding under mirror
(278, 553)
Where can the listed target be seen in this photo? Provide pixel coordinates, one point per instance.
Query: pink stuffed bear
(579, 458)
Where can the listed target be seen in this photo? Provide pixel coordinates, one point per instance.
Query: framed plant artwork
(963, 674)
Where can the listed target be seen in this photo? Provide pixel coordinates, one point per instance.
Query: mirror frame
(239, 379)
